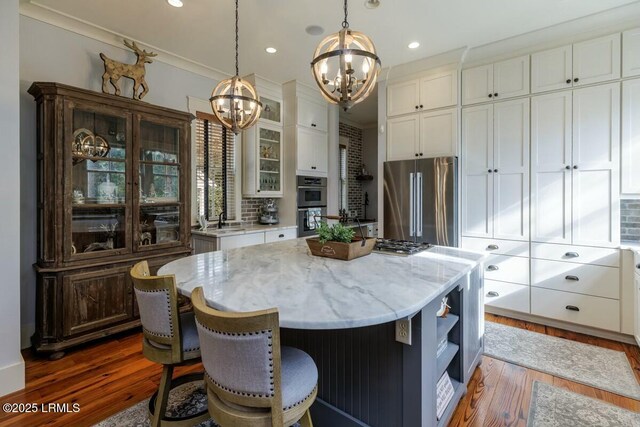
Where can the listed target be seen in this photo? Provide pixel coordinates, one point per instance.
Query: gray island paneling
(345, 315)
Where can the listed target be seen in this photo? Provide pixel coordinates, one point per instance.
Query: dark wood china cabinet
(113, 189)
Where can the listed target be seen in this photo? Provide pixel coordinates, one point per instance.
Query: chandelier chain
(345, 23)
(237, 69)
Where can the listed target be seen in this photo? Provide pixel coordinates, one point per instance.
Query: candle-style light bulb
(365, 69)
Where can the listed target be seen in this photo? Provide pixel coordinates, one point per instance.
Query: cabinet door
(630, 171)
(636, 308)
(309, 146)
(438, 133)
(511, 170)
(631, 53)
(596, 60)
(477, 84)
(439, 90)
(269, 165)
(551, 168)
(402, 98)
(403, 137)
(511, 78)
(94, 300)
(552, 69)
(312, 114)
(477, 171)
(596, 151)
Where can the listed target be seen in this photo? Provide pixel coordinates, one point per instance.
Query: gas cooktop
(400, 247)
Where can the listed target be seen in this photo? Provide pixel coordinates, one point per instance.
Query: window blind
(343, 177)
(215, 168)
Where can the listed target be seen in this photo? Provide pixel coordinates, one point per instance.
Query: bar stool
(251, 380)
(169, 338)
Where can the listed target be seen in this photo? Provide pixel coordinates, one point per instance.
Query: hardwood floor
(109, 376)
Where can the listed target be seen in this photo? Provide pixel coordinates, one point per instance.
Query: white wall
(11, 363)
(50, 53)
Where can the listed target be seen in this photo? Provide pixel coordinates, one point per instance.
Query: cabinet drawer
(577, 254)
(278, 235)
(506, 295)
(507, 269)
(241, 240)
(592, 280)
(591, 311)
(496, 246)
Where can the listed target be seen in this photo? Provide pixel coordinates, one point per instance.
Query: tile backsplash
(630, 219)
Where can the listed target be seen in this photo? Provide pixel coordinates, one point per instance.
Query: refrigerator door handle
(412, 196)
(419, 205)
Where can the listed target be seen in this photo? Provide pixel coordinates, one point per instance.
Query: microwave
(312, 192)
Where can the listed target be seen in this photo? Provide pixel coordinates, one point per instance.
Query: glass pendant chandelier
(345, 66)
(234, 101)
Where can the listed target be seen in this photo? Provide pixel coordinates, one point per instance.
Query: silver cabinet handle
(493, 294)
(492, 267)
(493, 247)
(572, 255)
(412, 206)
(570, 277)
(572, 308)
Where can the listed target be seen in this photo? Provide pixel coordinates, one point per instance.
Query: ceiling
(202, 30)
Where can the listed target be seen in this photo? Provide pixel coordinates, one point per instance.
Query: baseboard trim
(610, 335)
(12, 378)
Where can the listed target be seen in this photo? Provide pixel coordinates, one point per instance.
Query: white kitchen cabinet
(312, 114)
(551, 167)
(631, 53)
(312, 152)
(596, 159)
(630, 143)
(403, 137)
(262, 161)
(588, 62)
(431, 91)
(574, 167)
(505, 79)
(496, 170)
(505, 295)
(596, 60)
(636, 306)
(552, 69)
(280, 235)
(428, 134)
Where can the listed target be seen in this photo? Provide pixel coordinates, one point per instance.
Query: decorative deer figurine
(113, 70)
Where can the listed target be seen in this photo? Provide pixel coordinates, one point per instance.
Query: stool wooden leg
(163, 395)
(305, 421)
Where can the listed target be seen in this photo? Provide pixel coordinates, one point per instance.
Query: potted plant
(339, 242)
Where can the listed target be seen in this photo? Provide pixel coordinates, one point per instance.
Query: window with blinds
(215, 168)
(343, 177)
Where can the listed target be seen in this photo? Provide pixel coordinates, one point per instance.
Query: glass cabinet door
(98, 143)
(269, 159)
(271, 110)
(159, 183)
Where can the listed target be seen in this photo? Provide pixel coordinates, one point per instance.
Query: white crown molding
(34, 10)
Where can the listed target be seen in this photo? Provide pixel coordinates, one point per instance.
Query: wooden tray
(339, 250)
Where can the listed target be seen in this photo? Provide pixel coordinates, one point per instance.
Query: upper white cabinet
(505, 79)
(312, 152)
(434, 90)
(630, 167)
(428, 134)
(631, 53)
(262, 161)
(583, 63)
(312, 114)
(574, 166)
(495, 171)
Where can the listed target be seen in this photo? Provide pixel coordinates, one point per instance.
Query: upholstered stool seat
(299, 376)
(169, 338)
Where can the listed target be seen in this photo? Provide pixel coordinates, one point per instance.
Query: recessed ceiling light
(371, 4)
(175, 3)
(414, 45)
(271, 50)
(314, 30)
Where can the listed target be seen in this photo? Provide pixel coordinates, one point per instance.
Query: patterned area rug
(582, 363)
(184, 400)
(555, 407)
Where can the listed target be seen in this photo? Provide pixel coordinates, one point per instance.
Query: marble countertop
(321, 293)
(241, 229)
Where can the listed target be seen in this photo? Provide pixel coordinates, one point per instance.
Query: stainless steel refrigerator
(420, 200)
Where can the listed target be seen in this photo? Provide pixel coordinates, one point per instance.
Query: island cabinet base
(367, 378)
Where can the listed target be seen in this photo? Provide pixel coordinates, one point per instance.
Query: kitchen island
(370, 324)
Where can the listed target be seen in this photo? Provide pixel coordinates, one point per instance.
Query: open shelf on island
(445, 358)
(458, 391)
(445, 324)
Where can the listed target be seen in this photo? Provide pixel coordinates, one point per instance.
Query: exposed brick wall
(251, 210)
(629, 219)
(354, 166)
